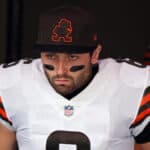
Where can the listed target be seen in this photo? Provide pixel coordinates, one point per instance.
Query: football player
(69, 99)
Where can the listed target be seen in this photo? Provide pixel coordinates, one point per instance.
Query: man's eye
(49, 56)
(73, 57)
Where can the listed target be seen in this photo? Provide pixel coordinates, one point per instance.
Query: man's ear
(95, 54)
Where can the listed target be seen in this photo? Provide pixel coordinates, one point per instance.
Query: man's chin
(63, 90)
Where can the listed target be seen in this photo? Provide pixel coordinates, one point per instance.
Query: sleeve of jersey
(140, 128)
(4, 117)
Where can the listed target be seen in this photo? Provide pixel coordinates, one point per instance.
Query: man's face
(67, 72)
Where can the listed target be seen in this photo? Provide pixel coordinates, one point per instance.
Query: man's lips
(61, 81)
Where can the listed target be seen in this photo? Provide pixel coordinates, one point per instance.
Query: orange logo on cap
(62, 31)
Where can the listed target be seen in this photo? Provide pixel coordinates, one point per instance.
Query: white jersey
(98, 118)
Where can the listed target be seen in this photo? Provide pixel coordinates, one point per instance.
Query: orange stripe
(145, 99)
(3, 114)
(142, 115)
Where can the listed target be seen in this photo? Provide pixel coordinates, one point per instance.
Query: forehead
(63, 53)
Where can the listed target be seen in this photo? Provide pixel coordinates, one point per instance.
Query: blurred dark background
(123, 26)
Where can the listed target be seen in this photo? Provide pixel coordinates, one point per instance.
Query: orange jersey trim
(3, 113)
(145, 99)
(141, 116)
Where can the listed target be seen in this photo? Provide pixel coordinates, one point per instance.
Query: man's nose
(61, 67)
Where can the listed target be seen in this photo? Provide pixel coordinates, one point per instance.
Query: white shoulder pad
(12, 73)
(105, 61)
(9, 74)
(134, 75)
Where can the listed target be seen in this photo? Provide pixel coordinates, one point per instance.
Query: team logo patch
(68, 110)
(62, 32)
